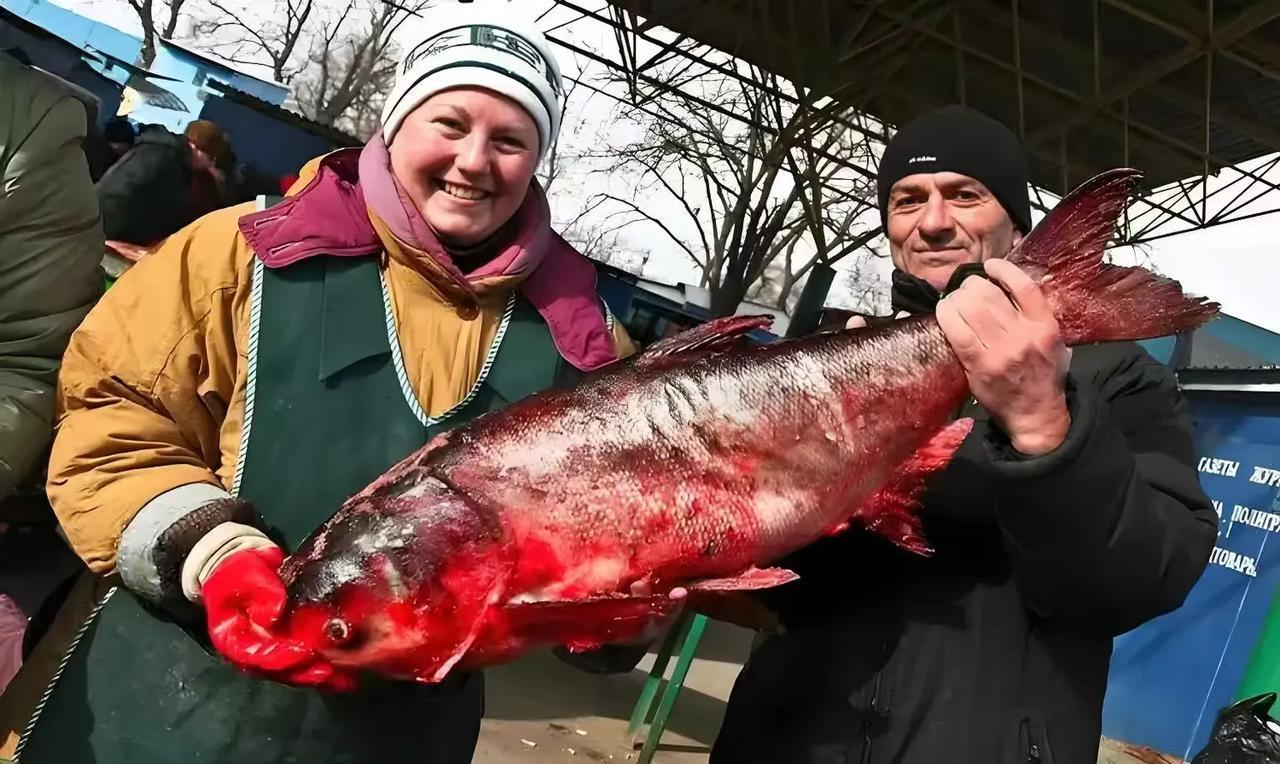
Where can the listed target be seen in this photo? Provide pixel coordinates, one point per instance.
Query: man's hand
(679, 596)
(244, 599)
(1012, 353)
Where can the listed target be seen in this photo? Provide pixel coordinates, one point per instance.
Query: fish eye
(338, 631)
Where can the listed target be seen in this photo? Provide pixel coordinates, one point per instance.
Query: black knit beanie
(962, 140)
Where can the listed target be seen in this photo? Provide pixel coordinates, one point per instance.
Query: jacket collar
(329, 216)
(914, 295)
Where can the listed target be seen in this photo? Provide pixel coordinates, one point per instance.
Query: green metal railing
(685, 633)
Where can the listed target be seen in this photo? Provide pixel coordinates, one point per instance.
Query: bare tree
(159, 19)
(752, 174)
(864, 289)
(554, 165)
(271, 39)
(352, 65)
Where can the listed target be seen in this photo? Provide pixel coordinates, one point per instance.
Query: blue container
(1170, 677)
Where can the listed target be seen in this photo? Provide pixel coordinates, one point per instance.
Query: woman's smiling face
(466, 157)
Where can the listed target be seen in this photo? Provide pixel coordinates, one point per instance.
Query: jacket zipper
(871, 715)
(1030, 744)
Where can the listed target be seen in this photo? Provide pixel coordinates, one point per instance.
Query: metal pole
(1097, 48)
(959, 48)
(1062, 158)
(1017, 65)
(1208, 95)
(1128, 224)
(808, 311)
(1126, 131)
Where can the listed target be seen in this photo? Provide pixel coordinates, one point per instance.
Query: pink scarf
(556, 279)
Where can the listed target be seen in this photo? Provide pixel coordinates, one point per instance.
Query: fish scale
(696, 464)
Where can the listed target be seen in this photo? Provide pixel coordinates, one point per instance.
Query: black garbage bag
(1245, 733)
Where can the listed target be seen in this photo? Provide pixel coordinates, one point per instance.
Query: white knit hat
(484, 48)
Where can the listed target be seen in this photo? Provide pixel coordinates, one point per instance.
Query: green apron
(328, 409)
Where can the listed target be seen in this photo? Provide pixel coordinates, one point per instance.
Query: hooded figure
(271, 360)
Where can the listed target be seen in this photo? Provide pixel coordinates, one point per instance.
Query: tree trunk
(726, 298)
(175, 13)
(784, 290)
(148, 53)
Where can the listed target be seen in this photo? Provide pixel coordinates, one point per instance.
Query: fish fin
(891, 511)
(1093, 300)
(590, 623)
(738, 608)
(748, 580)
(716, 334)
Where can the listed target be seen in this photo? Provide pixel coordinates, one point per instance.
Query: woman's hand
(244, 599)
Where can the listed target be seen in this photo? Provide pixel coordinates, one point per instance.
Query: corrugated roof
(219, 62)
(13, 19)
(130, 67)
(333, 134)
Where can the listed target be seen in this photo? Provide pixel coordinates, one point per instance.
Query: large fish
(696, 464)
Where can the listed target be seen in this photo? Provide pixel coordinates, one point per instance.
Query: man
(163, 183)
(50, 250)
(105, 147)
(1071, 514)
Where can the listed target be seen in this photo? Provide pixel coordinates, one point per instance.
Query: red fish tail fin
(1095, 301)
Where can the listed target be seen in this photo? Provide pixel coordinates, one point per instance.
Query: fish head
(398, 583)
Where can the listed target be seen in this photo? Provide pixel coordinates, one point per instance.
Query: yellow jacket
(153, 383)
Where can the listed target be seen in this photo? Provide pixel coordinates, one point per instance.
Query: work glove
(237, 578)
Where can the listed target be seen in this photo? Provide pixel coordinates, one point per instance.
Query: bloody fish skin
(701, 469)
(496, 507)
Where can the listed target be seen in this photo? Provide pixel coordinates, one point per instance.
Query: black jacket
(145, 195)
(996, 649)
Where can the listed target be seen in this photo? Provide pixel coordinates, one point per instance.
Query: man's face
(937, 221)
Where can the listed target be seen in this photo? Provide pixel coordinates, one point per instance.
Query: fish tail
(1093, 300)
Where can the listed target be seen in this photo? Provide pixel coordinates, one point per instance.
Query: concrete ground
(571, 716)
(1116, 752)
(540, 710)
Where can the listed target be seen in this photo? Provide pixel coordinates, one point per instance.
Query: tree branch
(646, 216)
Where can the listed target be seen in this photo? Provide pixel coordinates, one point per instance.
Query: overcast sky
(1237, 264)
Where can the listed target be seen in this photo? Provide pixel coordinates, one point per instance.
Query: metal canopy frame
(1188, 91)
(648, 63)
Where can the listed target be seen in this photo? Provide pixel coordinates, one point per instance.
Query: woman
(231, 390)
